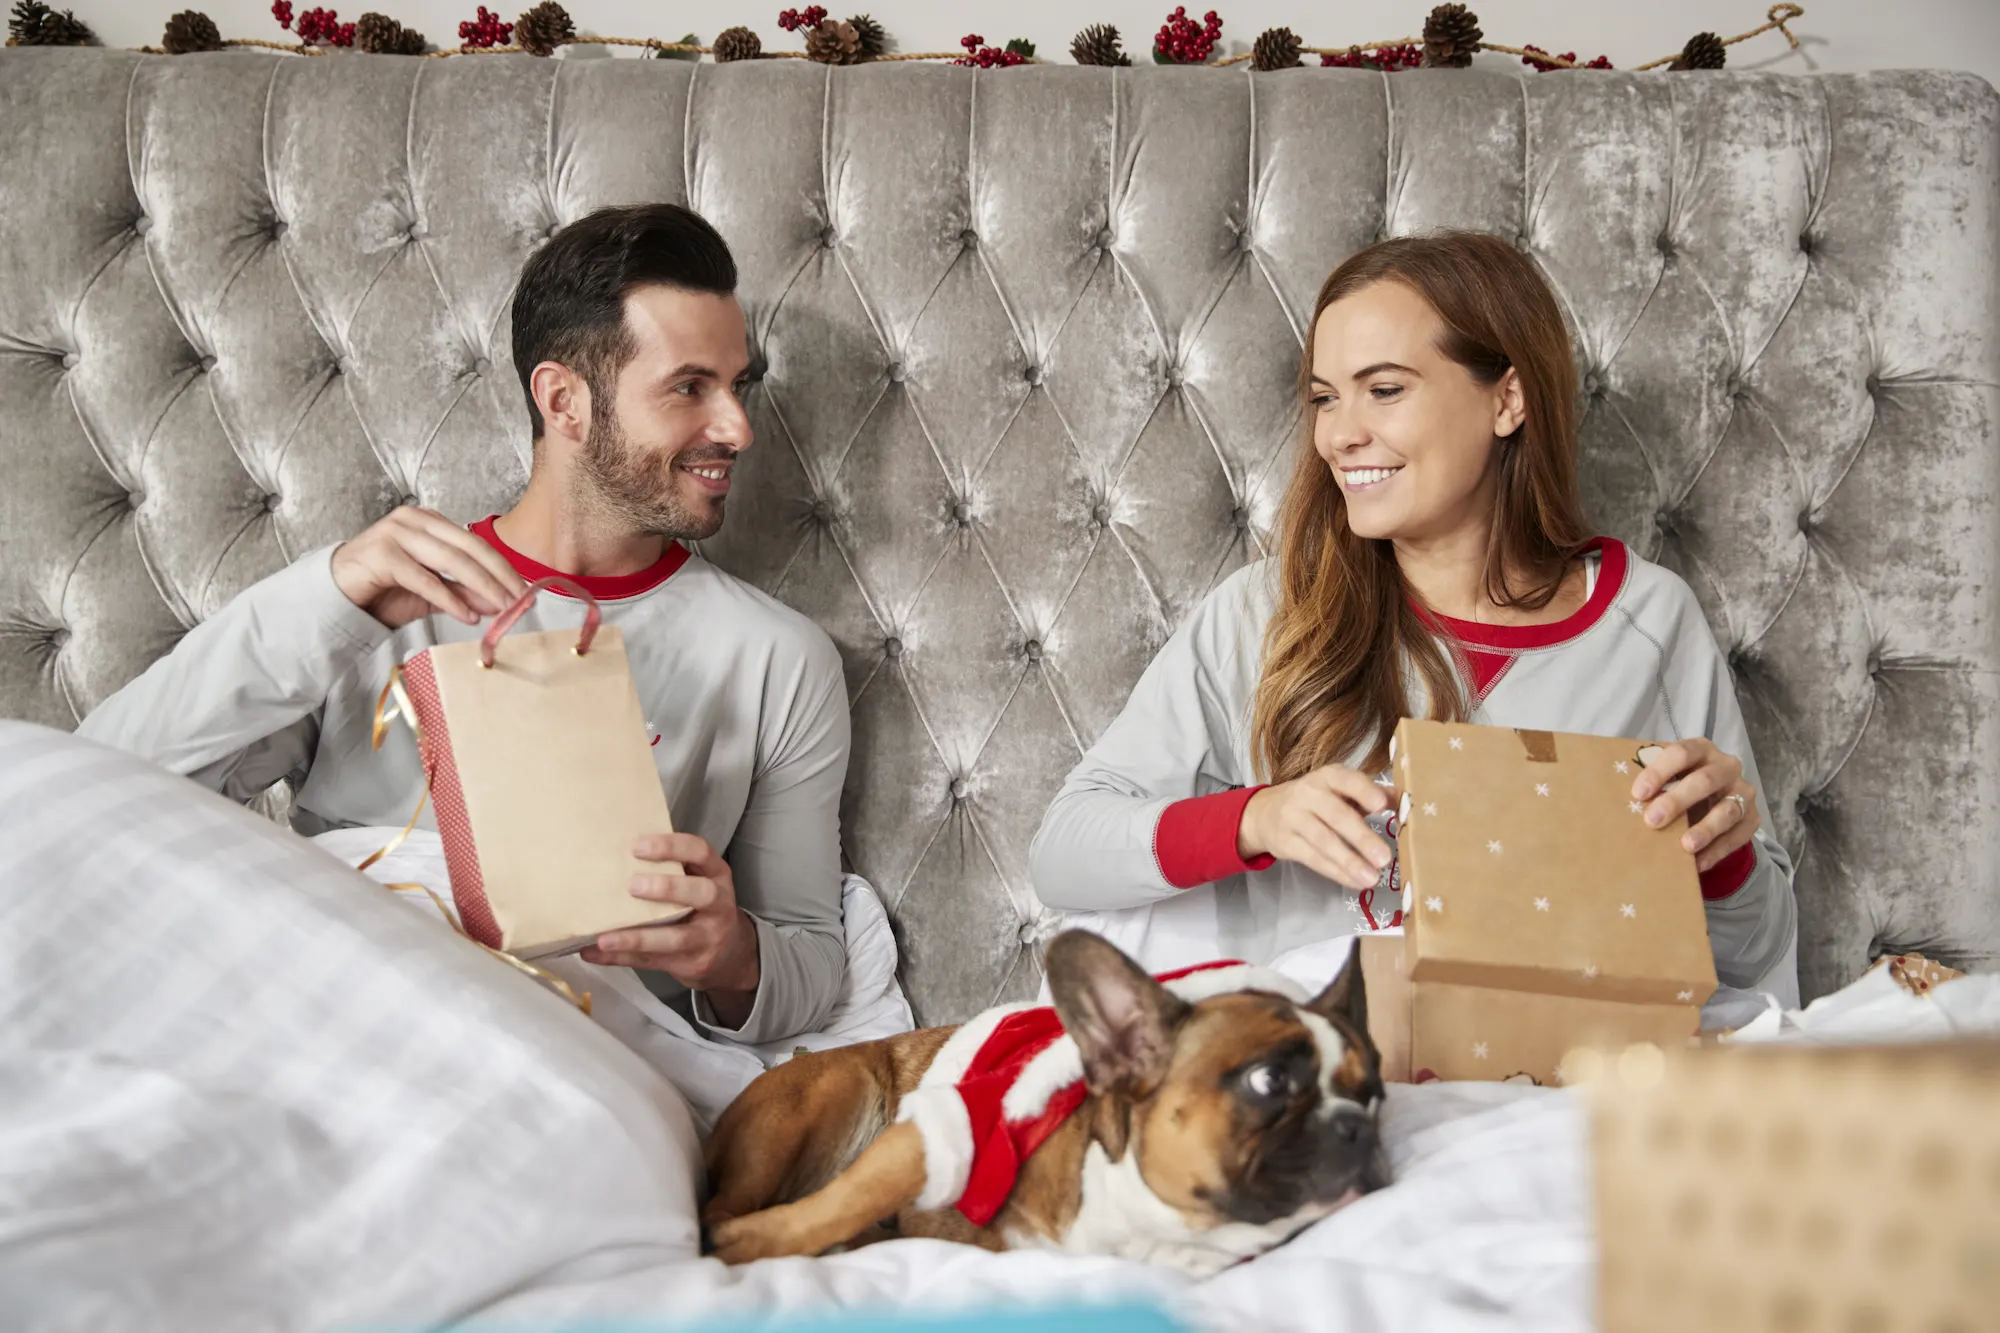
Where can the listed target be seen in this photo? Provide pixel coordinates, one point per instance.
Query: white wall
(1835, 34)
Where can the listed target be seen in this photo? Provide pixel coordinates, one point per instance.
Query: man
(632, 351)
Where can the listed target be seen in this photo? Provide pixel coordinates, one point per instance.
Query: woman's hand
(1708, 786)
(1317, 821)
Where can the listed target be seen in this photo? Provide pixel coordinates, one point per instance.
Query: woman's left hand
(1708, 787)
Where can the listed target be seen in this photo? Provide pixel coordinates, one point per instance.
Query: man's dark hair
(569, 306)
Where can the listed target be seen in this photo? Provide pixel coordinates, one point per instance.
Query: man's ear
(563, 400)
(1346, 996)
(1122, 1020)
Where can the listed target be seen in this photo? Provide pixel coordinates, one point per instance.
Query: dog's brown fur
(811, 1158)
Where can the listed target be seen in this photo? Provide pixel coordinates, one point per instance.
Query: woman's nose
(1338, 430)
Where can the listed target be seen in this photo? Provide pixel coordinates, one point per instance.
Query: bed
(1024, 345)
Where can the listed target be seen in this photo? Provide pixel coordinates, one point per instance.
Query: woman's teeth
(1368, 476)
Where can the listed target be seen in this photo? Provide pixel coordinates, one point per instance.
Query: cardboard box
(1811, 1189)
(1540, 911)
(1389, 1008)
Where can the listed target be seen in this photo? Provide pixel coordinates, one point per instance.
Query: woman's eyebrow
(1379, 367)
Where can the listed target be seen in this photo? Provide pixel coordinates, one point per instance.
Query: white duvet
(241, 1087)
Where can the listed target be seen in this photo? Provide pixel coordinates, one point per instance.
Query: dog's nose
(1348, 1128)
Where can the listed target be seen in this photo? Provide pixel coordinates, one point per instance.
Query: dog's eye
(1267, 1081)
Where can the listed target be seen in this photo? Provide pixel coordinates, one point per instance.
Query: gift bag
(541, 774)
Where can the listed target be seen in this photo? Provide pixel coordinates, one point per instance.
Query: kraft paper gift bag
(542, 776)
(1540, 911)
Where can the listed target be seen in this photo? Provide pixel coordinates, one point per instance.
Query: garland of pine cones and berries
(1450, 38)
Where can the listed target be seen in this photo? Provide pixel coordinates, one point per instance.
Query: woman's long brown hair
(1346, 631)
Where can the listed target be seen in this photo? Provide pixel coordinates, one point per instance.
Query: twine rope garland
(1776, 18)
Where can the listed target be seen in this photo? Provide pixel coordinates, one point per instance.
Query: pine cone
(1451, 35)
(542, 29)
(378, 34)
(736, 44)
(1098, 45)
(874, 41)
(1276, 48)
(1703, 51)
(35, 24)
(834, 43)
(189, 31)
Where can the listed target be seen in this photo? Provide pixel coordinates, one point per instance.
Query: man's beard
(637, 489)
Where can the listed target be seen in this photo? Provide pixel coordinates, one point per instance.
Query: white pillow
(242, 1087)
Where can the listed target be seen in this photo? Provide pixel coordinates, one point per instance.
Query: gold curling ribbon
(377, 732)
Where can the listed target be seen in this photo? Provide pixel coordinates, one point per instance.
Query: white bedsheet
(707, 1071)
(243, 1088)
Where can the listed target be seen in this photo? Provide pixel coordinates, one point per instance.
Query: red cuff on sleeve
(1729, 874)
(1195, 840)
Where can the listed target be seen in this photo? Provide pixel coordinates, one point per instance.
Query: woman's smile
(1354, 480)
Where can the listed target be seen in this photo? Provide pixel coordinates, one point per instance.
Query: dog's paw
(744, 1240)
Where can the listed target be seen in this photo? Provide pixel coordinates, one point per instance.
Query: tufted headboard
(1027, 343)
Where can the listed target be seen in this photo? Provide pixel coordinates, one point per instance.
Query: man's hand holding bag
(542, 779)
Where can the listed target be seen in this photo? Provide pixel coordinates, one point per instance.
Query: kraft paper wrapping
(1527, 866)
(1438, 1030)
(1805, 1189)
(545, 758)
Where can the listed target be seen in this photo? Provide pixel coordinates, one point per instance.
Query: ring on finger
(1742, 806)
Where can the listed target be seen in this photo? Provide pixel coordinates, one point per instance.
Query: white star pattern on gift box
(1541, 904)
(1430, 809)
(1636, 808)
(1622, 767)
(1493, 847)
(1628, 909)
(1385, 781)
(1685, 995)
(1541, 789)
(1479, 1050)
(1433, 904)
(1457, 744)
(1590, 971)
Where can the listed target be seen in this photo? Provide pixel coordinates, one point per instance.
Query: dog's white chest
(1119, 1215)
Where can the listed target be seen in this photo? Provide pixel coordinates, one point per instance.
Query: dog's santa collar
(1005, 1081)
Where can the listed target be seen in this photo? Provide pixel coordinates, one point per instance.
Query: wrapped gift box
(1798, 1188)
(1540, 911)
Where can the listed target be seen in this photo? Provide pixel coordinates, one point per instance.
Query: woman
(1433, 561)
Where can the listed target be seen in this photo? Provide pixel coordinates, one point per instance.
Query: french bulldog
(1193, 1120)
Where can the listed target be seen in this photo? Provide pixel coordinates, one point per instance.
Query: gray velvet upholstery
(1028, 342)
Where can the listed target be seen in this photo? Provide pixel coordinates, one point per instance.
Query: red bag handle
(503, 622)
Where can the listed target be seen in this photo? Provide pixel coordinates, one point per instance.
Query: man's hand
(416, 561)
(712, 950)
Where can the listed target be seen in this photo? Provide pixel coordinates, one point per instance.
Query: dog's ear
(1346, 996)
(1122, 1020)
